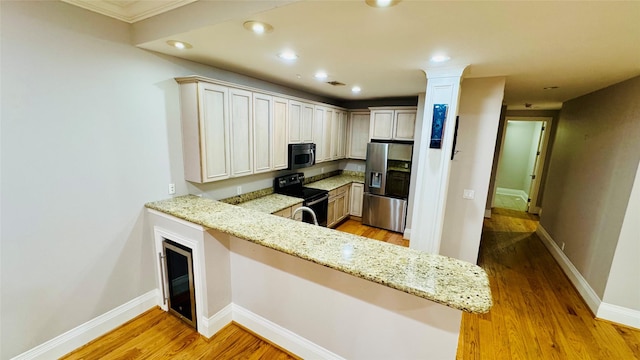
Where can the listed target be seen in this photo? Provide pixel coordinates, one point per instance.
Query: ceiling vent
(335, 83)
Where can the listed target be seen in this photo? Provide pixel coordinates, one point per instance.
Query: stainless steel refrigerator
(386, 186)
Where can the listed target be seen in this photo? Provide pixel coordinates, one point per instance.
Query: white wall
(622, 286)
(90, 132)
(480, 106)
(351, 317)
(516, 161)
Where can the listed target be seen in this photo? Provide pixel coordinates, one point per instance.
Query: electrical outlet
(172, 189)
(238, 190)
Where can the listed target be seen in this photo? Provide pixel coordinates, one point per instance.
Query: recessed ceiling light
(382, 3)
(440, 58)
(356, 89)
(179, 44)
(321, 75)
(288, 55)
(257, 27)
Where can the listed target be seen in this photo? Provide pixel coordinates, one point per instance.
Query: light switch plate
(469, 194)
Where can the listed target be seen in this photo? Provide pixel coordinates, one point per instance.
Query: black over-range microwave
(301, 155)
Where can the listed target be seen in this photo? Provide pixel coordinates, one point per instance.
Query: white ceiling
(578, 46)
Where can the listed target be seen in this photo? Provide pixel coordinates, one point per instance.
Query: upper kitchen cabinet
(300, 122)
(240, 118)
(392, 123)
(318, 132)
(280, 135)
(205, 131)
(269, 133)
(341, 136)
(358, 133)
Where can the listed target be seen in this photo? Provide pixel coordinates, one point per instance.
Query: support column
(443, 87)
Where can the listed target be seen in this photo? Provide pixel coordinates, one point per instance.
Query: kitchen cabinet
(262, 130)
(327, 136)
(342, 134)
(279, 138)
(300, 122)
(205, 131)
(338, 208)
(357, 193)
(288, 212)
(318, 132)
(240, 118)
(358, 135)
(392, 123)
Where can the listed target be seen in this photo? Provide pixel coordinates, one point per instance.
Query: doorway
(521, 160)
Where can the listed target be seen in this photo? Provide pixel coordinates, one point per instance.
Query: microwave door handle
(313, 157)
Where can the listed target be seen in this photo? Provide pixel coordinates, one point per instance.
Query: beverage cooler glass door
(179, 278)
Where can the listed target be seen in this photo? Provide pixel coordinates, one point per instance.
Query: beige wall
(592, 169)
(90, 132)
(480, 106)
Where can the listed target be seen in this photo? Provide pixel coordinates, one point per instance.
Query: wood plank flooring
(537, 314)
(158, 335)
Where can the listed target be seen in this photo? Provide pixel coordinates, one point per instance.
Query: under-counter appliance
(386, 186)
(315, 199)
(178, 281)
(301, 155)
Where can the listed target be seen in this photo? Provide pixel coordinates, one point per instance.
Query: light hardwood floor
(158, 335)
(537, 314)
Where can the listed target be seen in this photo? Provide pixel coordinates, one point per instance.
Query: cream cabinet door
(342, 135)
(327, 131)
(335, 131)
(295, 122)
(318, 132)
(381, 126)
(306, 123)
(262, 131)
(208, 134)
(240, 106)
(405, 122)
(357, 193)
(358, 135)
(279, 140)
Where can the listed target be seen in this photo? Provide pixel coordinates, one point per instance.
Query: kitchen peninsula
(312, 289)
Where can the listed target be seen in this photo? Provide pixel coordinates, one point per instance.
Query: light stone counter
(271, 203)
(454, 283)
(335, 182)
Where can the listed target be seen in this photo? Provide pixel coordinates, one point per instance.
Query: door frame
(533, 206)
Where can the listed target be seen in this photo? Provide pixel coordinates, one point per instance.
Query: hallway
(537, 314)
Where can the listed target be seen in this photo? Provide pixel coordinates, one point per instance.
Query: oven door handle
(326, 197)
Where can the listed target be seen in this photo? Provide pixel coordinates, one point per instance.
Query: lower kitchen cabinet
(288, 212)
(357, 193)
(339, 203)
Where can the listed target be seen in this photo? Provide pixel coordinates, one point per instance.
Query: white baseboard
(209, 327)
(487, 213)
(82, 334)
(281, 336)
(580, 283)
(407, 234)
(513, 192)
(619, 314)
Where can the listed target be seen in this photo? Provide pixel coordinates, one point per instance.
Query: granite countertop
(335, 182)
(271, 203)
(451, 282)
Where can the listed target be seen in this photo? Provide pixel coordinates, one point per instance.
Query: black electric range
(316, 199)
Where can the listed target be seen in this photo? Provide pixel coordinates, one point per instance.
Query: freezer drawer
(384, 212)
